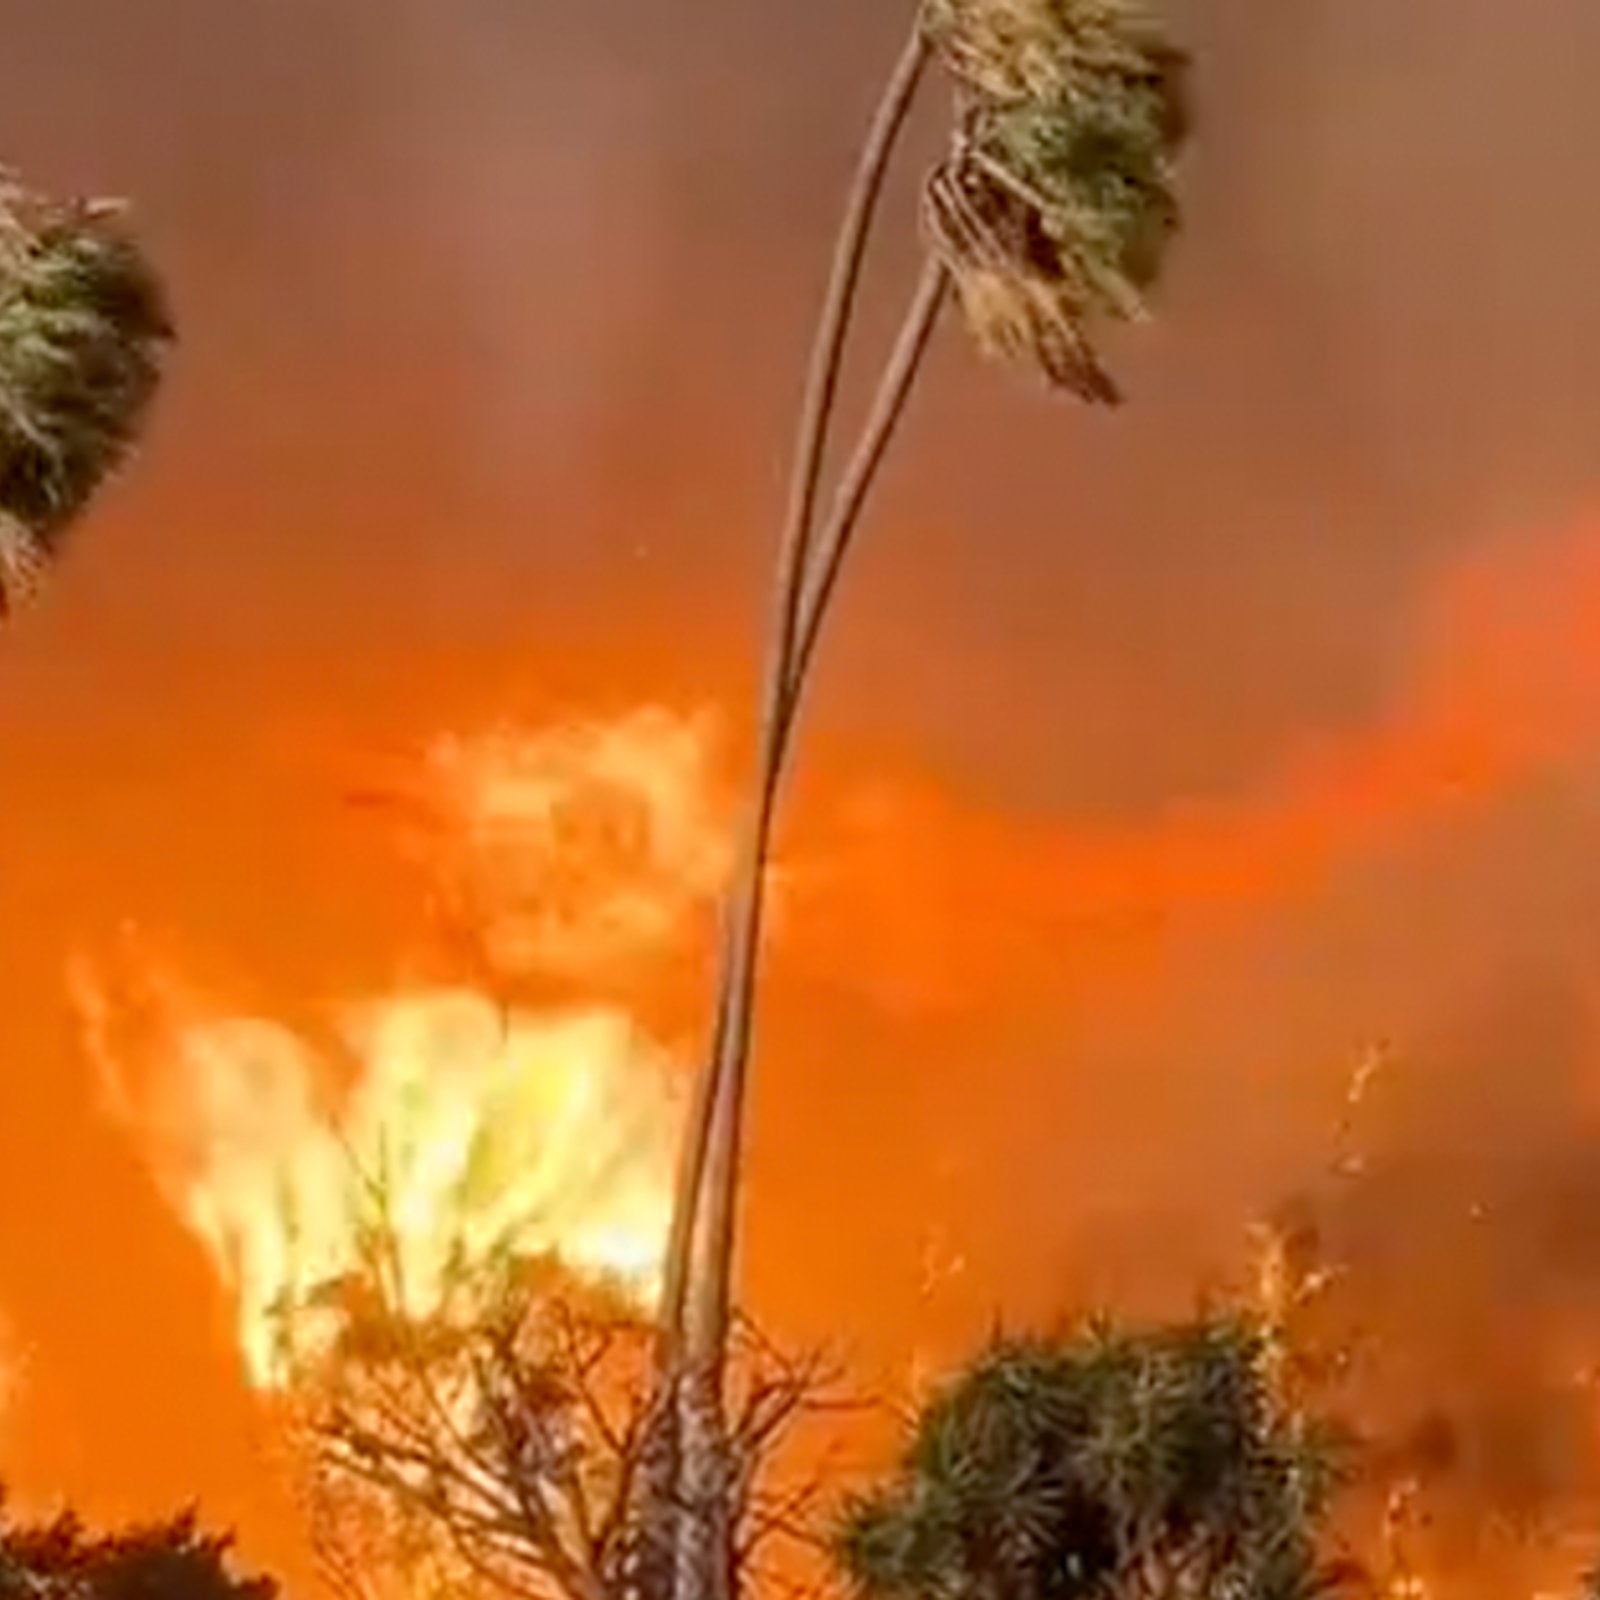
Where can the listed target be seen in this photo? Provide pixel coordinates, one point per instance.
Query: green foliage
(1058, 200)
(172, 1560)
(1108, 1463)
(84, 327)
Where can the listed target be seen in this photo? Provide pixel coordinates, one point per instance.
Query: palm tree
(1049, 213)
(84, 327)
(1151, 1464)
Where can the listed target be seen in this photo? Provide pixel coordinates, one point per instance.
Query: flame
(570, 850)
(481, 1128)
(485, 1132)
(586, 850)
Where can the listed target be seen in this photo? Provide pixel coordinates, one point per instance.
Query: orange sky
(1161, 761)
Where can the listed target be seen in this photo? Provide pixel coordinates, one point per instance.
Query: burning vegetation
(480, 1131)
(490, 1126)
(478, 1233)
(441, 1220)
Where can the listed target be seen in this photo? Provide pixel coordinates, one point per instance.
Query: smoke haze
(1162, 761)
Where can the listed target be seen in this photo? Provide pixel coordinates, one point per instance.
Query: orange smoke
(489, 332)
(582, 859)
(1501, 693)
(1006, 995)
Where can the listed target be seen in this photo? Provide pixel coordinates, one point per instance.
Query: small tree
(1158, 1464)
(171, 1560)
(84, 327)
(497, 1437)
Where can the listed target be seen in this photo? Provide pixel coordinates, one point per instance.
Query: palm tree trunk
(705, 1544)
(816, 414)
(706, 1321)
(662, 1500)
(833, 544)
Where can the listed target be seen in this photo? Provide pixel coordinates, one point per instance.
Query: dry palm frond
(1057, 202)
(1008, 51)
(83, 329)
(24, 563)
(1017, 303)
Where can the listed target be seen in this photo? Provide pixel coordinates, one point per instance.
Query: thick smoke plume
(1161, 763)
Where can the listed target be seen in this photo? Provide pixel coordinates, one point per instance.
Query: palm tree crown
(84, 326)
(1057, 200)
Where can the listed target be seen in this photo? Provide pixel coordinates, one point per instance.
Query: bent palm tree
(1049, 213)
(84, 326)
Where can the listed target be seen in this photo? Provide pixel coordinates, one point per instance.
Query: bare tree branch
(502, 1436)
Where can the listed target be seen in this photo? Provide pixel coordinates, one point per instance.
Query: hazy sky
(491, 316)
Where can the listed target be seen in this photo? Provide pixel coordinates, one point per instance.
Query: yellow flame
(530, 1133)
(575, 848)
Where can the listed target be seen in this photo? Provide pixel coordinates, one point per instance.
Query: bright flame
(549, 1134)
(485, 1129)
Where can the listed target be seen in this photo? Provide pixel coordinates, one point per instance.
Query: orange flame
(575, 848)
(486, 1132)
(484, 1128)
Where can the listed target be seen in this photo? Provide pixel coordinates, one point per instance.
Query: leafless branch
(505, 1432)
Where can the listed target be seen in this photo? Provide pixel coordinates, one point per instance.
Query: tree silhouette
(170, 1560)
(1049, 213)
(495, 1439)
(84, 327)
(1155, 1463)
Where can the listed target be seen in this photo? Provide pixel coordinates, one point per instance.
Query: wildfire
(569, 850)
(477, 1133)
(468, 1128)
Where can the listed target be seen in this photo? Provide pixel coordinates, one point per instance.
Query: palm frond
(1058, 200)
(84, 328)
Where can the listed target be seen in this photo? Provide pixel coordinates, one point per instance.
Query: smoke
(1157, 766)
